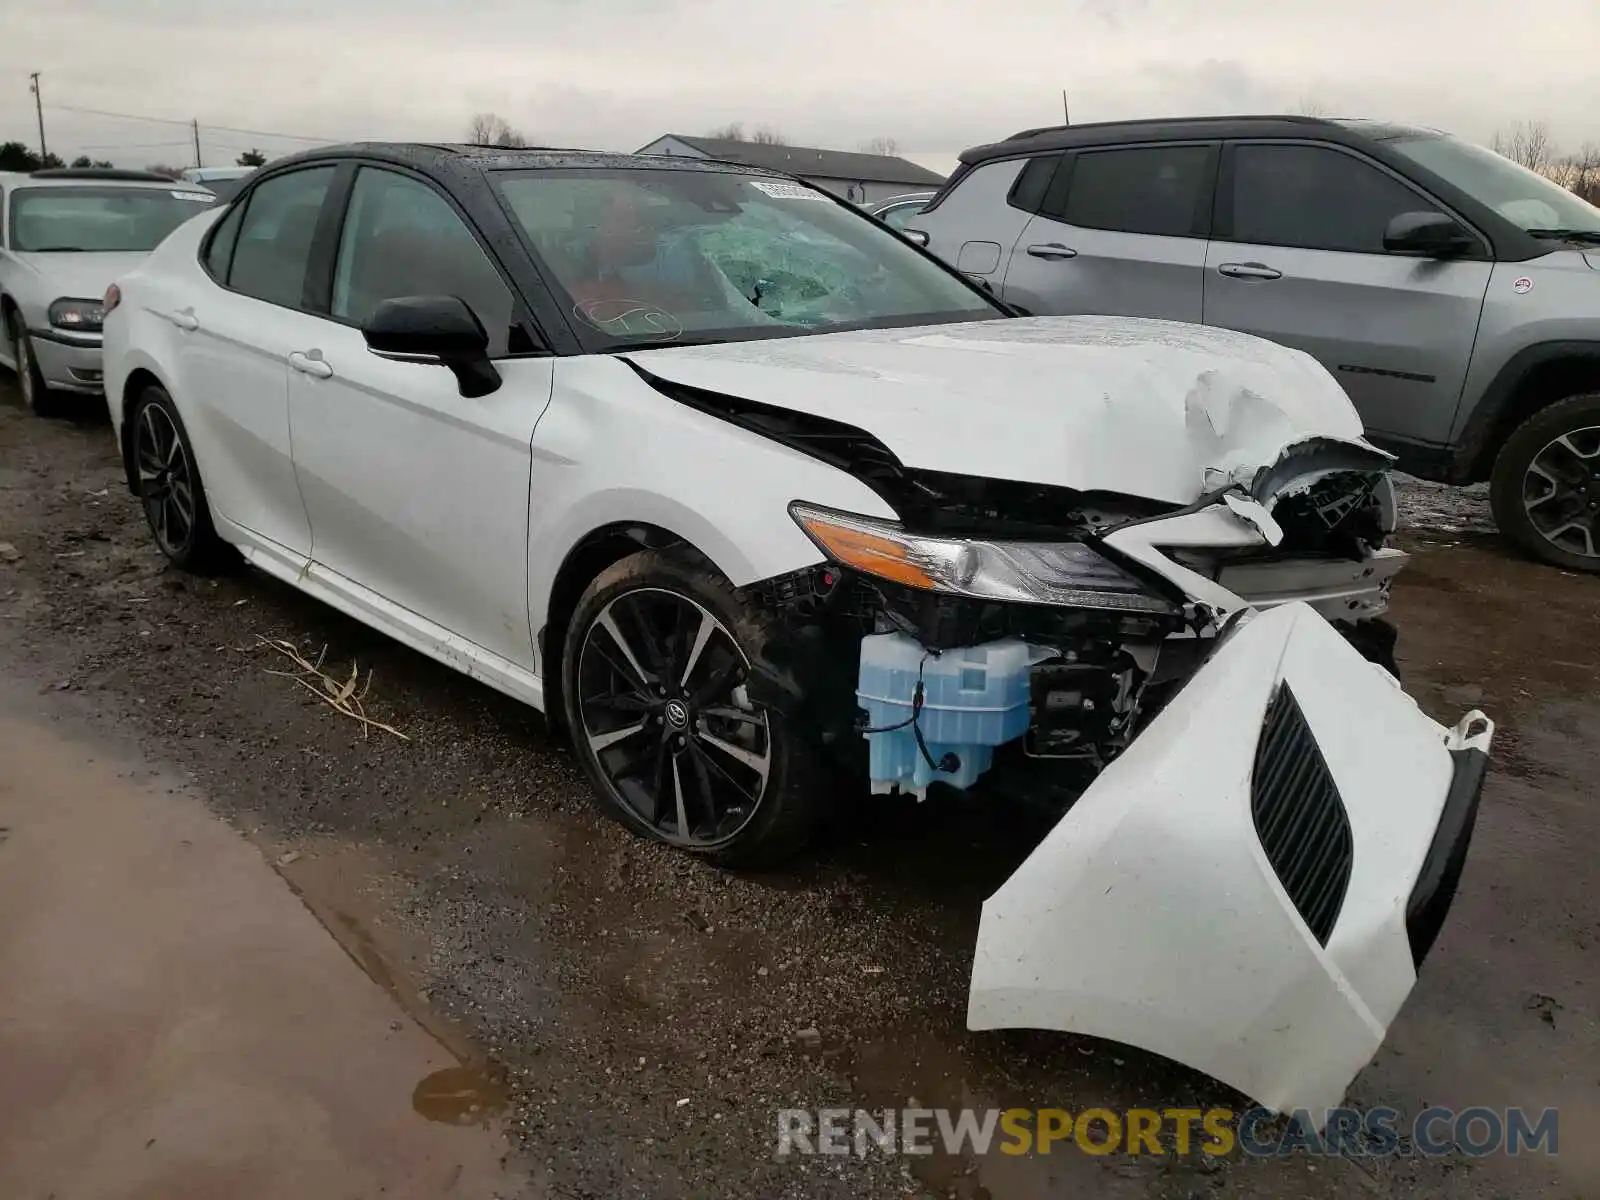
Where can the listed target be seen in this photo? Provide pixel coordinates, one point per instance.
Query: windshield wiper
(54, 250)
(1591, 236)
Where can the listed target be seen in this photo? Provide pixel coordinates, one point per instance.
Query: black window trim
(243, 201)
(1222, 216)
(1055, 160)
(520, 313)
(1201, 220)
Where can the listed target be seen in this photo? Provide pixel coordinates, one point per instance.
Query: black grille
(1300, 817)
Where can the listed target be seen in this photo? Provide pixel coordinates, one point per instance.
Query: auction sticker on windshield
(779, 190)
(197, 197)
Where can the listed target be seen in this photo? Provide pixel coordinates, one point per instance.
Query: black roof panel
(1111, 133)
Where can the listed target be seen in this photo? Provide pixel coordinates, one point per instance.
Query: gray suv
(65, 235)
(1455, 295)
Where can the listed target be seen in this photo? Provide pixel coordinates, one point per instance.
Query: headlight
(85, 315)
(1068, 574)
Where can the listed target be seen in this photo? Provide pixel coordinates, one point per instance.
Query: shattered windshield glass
(651, 255)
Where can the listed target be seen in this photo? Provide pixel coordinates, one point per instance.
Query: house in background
(859, 178)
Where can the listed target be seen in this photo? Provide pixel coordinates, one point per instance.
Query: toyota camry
(740, 487)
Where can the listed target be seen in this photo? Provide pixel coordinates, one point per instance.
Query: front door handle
(1051, 250)
(1248, 270)
(184, 319)
(311, 363)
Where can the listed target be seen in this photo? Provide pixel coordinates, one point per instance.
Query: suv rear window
(1162, 190)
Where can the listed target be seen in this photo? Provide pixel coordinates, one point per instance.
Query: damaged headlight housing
(1067, 574)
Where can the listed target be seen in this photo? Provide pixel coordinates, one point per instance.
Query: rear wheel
(39, 399)
(169, 486)
(656, 675)
(1546, 485)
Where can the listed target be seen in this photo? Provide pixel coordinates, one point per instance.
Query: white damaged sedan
(737, 485)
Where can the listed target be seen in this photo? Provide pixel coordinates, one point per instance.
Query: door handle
(1249, 270)
(1051, 250)
(184, 319)
(311, 363)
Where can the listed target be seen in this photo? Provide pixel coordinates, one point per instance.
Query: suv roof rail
(1025, 134)
(106, 173)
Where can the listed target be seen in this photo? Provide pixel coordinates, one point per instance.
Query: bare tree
(162, 169)
(491, 129)
(1312, 106)
(1527, 143)
(881, 145)
(734, 132)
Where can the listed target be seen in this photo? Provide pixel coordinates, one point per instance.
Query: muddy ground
(636, 1018)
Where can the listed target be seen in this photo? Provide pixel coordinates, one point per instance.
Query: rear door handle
(311, 363)
(184, 319)
(1249, 270)
(1051, 250)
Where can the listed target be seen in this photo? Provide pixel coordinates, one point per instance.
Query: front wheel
(169, 486)
(656, 683)
(1545, 490)
(30, 381)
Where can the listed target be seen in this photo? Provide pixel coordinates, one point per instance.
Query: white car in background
(225, 182)
(65, 234)
(731, 481)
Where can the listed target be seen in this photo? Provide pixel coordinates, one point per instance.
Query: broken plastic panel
(972, 699)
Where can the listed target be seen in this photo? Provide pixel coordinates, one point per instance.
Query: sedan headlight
(86, 316)
(1069, 574)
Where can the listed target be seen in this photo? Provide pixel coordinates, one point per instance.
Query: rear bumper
(1249, 902)
(68, 362)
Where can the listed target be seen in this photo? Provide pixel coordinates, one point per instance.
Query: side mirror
(1428, 234)
(916, 236)
(439, 331)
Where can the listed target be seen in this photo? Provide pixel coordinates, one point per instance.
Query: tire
(169, 487)
(41, 401)
(1563, 527)
(699, 767)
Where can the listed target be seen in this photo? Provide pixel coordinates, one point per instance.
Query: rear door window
(274, 246)
(1162, 190)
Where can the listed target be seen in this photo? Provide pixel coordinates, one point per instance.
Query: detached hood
(1117, 404)
(78, 275)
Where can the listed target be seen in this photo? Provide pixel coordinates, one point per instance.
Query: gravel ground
(637, 1017)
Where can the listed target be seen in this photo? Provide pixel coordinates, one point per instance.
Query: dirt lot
(633, 1017)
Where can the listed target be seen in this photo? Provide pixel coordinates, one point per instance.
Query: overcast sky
(935, 75)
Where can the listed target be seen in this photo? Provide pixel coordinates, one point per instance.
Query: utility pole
(196, 126)
(38, 108)
(1066, 117)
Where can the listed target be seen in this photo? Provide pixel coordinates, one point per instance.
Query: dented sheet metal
(1153, 913)
(1144, 408)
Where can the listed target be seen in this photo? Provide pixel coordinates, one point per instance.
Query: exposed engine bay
(943, 683)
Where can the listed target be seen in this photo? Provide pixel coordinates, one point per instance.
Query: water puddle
(463, 1095)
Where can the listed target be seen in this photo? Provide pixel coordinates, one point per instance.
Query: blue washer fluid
(973, 699)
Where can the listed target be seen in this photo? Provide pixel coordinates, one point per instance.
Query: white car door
(415, 493)
(238, 328)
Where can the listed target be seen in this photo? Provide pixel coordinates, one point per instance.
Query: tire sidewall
(1511, 465)
(786, 813)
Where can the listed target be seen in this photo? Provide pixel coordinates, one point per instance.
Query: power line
(122, 116)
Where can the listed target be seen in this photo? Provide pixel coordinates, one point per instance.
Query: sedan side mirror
(916, 236)
(439, 331)
(1428, 234)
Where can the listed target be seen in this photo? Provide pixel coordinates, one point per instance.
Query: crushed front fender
(1233, 892)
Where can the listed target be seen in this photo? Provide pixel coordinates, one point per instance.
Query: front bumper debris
(1249, 887)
